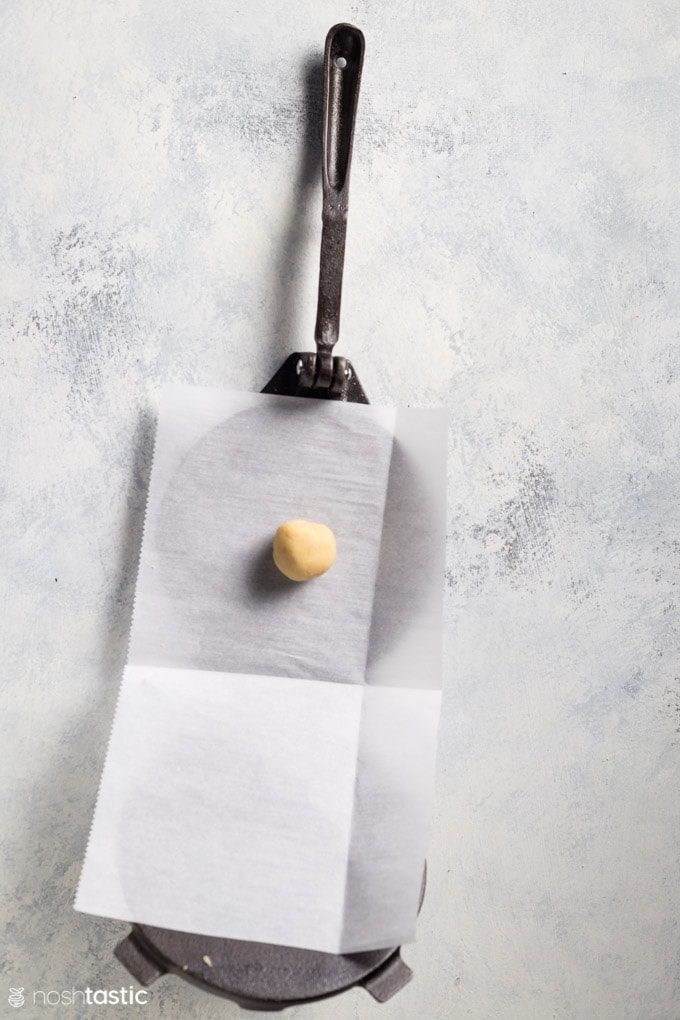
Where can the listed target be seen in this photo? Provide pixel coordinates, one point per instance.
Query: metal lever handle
(343, 60)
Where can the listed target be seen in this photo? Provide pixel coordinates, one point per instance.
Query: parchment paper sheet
(270, 770)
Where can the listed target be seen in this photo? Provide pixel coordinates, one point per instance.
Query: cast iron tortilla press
(253, 974)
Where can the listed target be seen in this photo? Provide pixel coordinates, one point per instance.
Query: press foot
(388, 979)
(143, 967)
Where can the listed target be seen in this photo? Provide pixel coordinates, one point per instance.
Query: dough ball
(303, 550)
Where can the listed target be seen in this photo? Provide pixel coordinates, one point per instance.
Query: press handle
(343, 60)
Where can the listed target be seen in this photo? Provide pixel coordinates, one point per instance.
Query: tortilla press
(259, 975)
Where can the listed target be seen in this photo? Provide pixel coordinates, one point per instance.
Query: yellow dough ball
(303, 550)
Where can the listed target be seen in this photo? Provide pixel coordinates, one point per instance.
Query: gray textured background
(513, 254)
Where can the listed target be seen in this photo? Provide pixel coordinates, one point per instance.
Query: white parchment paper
(270, 770)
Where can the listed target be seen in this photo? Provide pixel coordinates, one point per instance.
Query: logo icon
(16, 997)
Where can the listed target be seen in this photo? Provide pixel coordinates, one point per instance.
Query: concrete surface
(513, 254)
